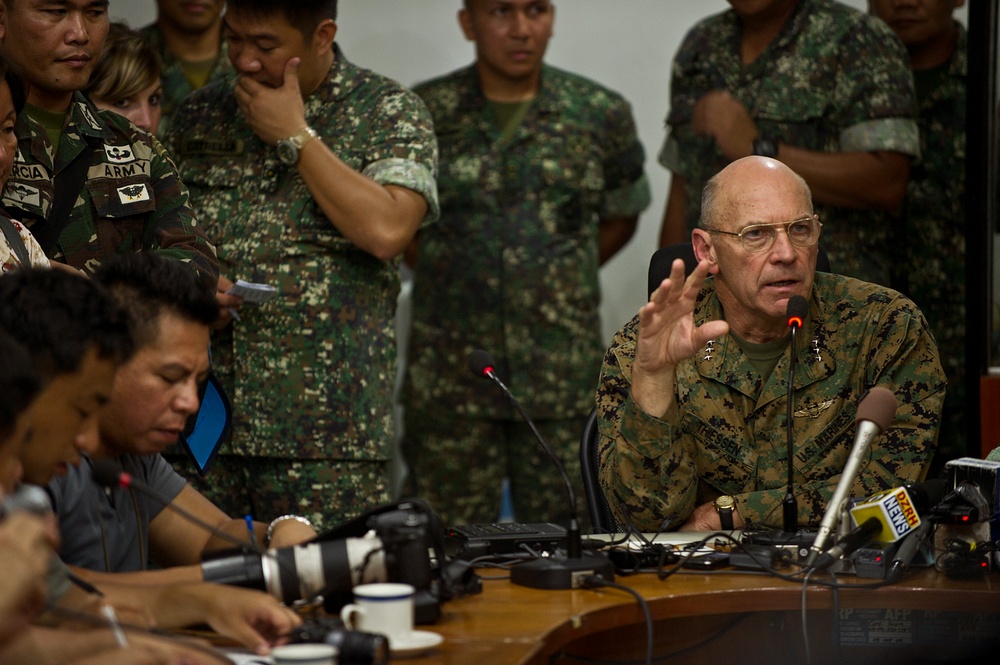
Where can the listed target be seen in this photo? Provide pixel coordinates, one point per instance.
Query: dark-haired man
(814, 83)
(76, 335)
(188, 37)
(87, 183)
(312, 175)
(541, 181)
(153, 394)
(934, 212)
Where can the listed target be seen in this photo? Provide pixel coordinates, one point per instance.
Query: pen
(253, 538)
(108, 612)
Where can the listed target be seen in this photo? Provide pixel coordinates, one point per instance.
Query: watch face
(287, 152)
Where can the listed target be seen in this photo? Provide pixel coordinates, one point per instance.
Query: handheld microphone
(551, 572)
(875, 413)
(795, 313)
(906, 552)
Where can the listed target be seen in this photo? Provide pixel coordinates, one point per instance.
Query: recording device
(554, 572)
(354, 647)
(475, 540)
(29, 498)
(795, 314)
(969, 518)
(875, 413)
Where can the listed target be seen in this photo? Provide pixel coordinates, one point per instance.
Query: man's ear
(704, 248)
(465, 22)
(323, 36)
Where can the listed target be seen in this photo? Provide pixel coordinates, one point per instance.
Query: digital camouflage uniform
(175, 85)
(132, 200)
(725, 432)
(935, 232)
(512, 267)
(833, 80)
(310, 373)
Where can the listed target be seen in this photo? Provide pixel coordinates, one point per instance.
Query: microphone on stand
(553, 572)
(875, 413)
(795, 312)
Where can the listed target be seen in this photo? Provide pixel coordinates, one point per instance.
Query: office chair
(601, 518)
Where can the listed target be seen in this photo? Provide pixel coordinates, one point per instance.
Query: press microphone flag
(894, 509)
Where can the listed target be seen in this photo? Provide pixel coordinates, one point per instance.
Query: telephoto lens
(354, 647)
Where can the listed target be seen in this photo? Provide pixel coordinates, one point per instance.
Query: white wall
(624, 44)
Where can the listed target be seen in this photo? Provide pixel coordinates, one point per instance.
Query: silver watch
(288, 149)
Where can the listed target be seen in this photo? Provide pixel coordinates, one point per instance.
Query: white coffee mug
(304, 654)
(383, 607)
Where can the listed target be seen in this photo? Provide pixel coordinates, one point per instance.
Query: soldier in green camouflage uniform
(310, 373)
(830, 95)
(131, 198)
(530, 208)
(178, 75)
(693, 391)
(934, 214)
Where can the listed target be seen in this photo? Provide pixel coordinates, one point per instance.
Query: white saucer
(414, 644)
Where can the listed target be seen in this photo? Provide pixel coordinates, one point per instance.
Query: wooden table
(719, 617)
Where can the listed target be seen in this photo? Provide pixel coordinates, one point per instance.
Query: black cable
(596, 582)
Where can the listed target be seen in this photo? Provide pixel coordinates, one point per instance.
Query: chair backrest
(601, 518)
(663, 258)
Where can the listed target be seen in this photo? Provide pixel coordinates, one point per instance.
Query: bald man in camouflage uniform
(310, 373)
(192, 52)
(820, 86)
(127, 196)
(934, 213)
(693, 391)
(539, 183)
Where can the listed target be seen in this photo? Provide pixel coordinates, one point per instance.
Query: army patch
(119, 154)
(202, 146)
(133, 193)
(26, 195)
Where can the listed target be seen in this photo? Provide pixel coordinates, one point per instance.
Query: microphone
(108, 473)
(795, 312)
(554, 572)
(886, 517)
(875, 413)
(906, 552)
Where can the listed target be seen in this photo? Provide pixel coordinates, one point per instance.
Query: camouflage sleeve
(875, 99)
(647, 468)
(406, 152)
(172, 230)
(901, 356)
(626, 187)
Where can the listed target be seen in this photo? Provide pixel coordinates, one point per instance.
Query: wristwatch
(726, 505)
(765, 147)
(288, 149)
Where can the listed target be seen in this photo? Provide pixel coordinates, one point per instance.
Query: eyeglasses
(760, 237)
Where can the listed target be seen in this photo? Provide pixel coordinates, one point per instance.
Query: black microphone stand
(554, 572)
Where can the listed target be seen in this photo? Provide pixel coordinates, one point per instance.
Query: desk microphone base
(561, 572)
